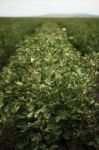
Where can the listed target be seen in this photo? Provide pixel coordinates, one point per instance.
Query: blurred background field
(83, 33)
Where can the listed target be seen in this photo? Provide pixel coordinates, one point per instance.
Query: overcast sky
(41, 7)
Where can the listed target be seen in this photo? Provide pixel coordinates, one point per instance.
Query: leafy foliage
(46, 94)
(83, 33)
(12, 33)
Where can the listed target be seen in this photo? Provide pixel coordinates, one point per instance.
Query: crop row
(46, 95)
(12, 33)
(83, 34)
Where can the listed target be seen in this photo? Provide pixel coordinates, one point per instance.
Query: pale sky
(43, 7)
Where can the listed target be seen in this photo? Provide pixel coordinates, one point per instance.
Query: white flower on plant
(64, 29)
(71, 37)
(92, 62)
(32, 59)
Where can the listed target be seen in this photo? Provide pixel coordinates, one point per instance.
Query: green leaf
(61, 116)
(19, 83)
(41, 110)
(97, 140)
(1, 100)
(30, 115)
(48, 81)
(91, 143)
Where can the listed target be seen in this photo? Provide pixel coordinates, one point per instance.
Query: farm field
(49, 83)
